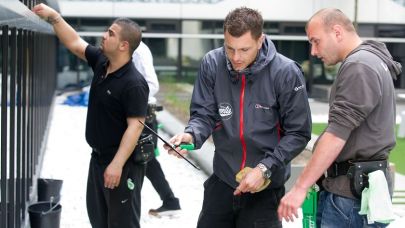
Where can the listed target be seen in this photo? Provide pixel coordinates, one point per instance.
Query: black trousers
(154, 173)
(119, 207)
(156, 176)
(221, 209)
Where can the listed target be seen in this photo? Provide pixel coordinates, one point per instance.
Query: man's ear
(124, 46)
(260, 41)
(338, 32)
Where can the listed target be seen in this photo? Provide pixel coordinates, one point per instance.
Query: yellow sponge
(246, 170)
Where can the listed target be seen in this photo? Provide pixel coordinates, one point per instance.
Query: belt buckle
(335, 169)
(332, 171)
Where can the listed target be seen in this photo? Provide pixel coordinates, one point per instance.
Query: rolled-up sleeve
(358, 91)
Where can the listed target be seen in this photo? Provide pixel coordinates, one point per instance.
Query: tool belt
(151, 112)
(357, 172)
(144, 150)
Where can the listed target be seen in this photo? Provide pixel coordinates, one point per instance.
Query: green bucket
(309, 208)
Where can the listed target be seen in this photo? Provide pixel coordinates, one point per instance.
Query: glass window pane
(165, 52)
(193, 50)
(202, 27)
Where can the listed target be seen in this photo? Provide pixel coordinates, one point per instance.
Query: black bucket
(49, 189)
(45, 215)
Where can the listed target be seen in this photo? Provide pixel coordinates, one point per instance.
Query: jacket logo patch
(259, 106)
(225, 111)
(298, 88)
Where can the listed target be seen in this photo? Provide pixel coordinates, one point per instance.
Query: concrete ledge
(204, 156)
(321, 92)
(16, 15)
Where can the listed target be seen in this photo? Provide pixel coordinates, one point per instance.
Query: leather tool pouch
(144, 150)
(358, 174)
(151, 112)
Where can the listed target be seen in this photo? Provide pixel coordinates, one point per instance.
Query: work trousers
(119, 207)
(221, 209)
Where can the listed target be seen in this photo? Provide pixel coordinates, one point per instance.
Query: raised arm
(66, 34)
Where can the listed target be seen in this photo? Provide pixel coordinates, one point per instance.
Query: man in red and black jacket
(254, 103)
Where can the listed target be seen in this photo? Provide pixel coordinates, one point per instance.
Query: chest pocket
(263, 118)
(261, 111)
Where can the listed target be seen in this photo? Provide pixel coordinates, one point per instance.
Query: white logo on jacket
(259, 106)
(225, 111)
(298, 88)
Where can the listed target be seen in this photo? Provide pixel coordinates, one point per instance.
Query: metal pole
(12, 172)
(4, 184)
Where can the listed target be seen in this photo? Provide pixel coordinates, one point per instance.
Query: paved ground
(67, 157)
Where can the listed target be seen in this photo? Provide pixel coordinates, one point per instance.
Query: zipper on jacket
(241, 136)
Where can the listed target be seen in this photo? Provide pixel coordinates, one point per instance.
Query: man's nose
(236, 56)
(314, 52)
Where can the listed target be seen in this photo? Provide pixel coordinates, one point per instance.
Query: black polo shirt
(123, 93)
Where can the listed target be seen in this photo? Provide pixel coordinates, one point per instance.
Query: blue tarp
(81, 99)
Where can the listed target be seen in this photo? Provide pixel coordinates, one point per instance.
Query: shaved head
(332, 35)
(330, 17)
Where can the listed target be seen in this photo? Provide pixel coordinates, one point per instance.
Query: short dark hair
(242, 20)
(130, 32)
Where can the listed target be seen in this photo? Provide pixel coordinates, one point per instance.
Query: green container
(157, 152)
(309, 208)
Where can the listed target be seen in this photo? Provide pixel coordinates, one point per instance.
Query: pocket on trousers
(341, 205)
(344, 206)
(210, 182)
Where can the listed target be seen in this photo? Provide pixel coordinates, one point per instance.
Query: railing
(27, 78)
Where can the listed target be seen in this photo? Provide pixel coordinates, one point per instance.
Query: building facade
(180, 32)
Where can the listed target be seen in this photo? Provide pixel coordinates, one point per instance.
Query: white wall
(370, 11)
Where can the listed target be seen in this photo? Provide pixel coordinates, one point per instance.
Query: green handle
(187, 146)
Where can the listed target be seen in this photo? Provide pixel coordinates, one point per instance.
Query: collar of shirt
(121, 71)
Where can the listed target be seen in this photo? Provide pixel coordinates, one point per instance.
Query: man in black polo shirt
(118, 100)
